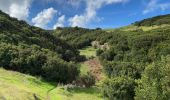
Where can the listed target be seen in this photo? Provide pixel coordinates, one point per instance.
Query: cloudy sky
(49, 14)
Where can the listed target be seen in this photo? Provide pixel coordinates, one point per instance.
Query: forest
(135, 63)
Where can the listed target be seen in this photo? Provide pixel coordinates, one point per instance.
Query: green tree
(154, 84)
(119, 88)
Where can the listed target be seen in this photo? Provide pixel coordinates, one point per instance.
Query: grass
(132, 28)
(17, 86)
(84, 68)
(88, 51)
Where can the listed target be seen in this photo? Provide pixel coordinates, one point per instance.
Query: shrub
(154, 84)
(86, 80)
(60, 71)
(37, 61)
(119, 88)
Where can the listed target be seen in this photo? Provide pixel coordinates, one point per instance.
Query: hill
(135, 60)
(35, 51)
(158, 20)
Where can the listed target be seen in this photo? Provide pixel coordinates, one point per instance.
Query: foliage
(131, 51)
(119, 88)
(158, 20)
(78, 37)
(154, 84)
(36, 61)
(35, 51)
(18, 86)
(86, 80)
(121, 69)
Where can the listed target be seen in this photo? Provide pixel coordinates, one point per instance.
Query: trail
(93, 63)
(95, 68)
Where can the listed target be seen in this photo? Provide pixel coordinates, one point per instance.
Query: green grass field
(17, 86)
(88, 51)
(132, 28)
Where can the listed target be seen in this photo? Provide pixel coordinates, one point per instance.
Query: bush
(37, 61)
(119, 88)
(86, 80)
(60, 71)
(118, 69)
(99, 52)
(154, 84)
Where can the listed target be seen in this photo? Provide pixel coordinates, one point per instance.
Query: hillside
(76, 36)
(17, 86)
(127, 63)
(158, 20)
(35, 51)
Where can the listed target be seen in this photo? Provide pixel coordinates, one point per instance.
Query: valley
(75, 63)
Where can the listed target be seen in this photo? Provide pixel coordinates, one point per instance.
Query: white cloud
(74, 3)
(44, 17)
(16, 8)
(91, 11)
(155, 5)
(60, 22)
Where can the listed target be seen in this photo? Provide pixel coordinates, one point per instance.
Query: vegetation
(129, 54)
(88, 52)
(158, 20)
(17, 86)
(76, 36)
(34, 51)
(135, 58)
(119, 88)
(154, 83)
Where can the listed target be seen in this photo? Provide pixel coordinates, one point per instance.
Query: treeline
(135, 64)
(35, 51)
(78, 37)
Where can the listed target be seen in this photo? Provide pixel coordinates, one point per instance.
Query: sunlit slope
(17, 86)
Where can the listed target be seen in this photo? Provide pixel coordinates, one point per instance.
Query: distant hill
(158, 20)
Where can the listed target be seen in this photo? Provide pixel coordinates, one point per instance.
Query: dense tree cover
(14, 31)
(129, 54)
(135, 59)
(119, 88)
(158, 20)
(127, 57)
(35, 51)
(37, 61)
(154, 84)
(78, 37)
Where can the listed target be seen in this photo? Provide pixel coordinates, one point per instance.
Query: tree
(119, 88)
(154, 84)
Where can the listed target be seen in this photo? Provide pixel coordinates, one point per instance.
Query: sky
(49, 14)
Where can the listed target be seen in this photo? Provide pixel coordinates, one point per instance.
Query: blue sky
(50, 14)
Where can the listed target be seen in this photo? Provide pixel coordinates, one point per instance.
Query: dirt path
(95, 68)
